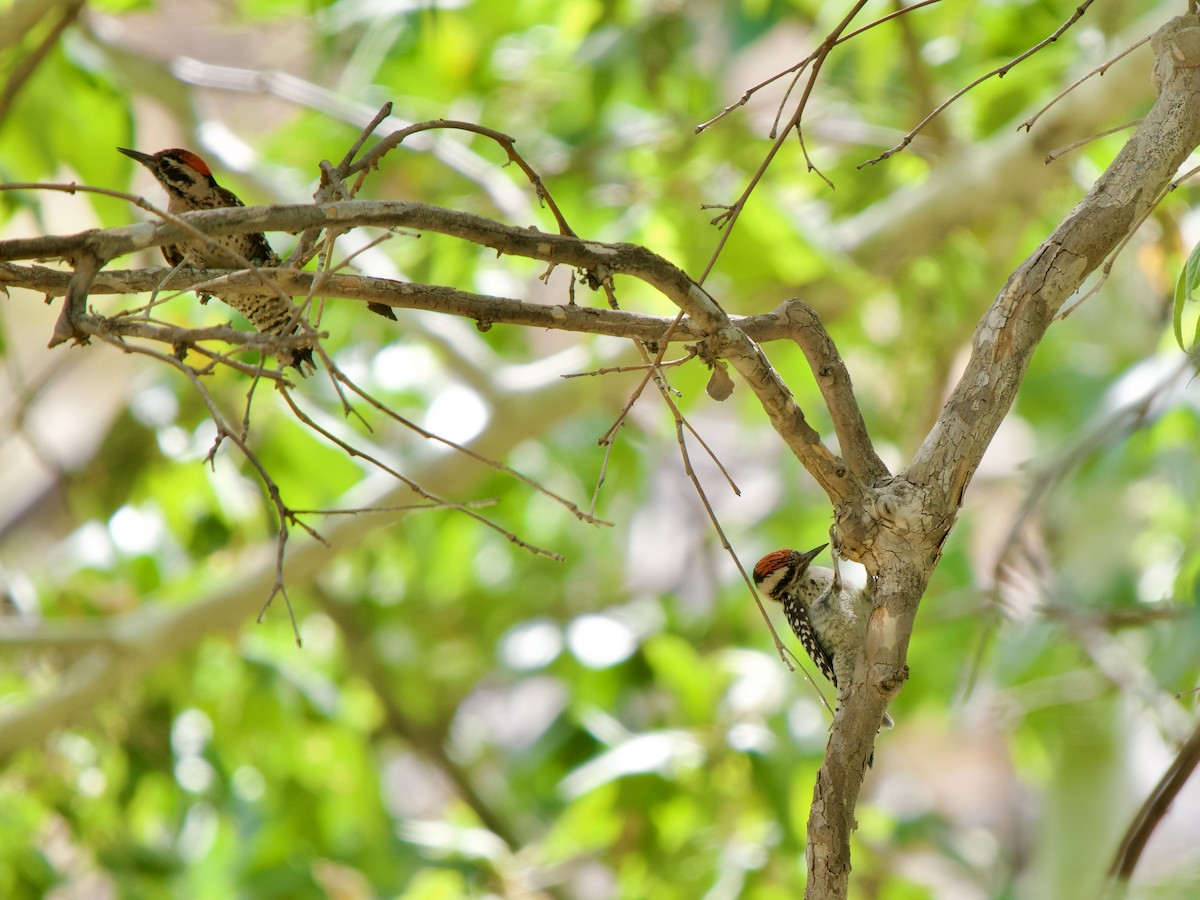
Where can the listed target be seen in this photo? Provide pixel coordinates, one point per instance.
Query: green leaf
(1185, 288)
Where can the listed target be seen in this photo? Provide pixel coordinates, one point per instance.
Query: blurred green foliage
(469, 719)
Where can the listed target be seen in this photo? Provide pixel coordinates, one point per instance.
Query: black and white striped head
(778, 573)
(184, 176)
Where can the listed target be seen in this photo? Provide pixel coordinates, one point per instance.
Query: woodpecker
(831, 626)
(190, 185)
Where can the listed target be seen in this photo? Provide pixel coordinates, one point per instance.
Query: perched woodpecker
(831, 626)
(190, 185)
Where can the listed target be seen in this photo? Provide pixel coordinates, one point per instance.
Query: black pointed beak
(806, 558)
(144, 158)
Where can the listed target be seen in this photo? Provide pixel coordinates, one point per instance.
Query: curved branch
(1155, 807)
(833, 379)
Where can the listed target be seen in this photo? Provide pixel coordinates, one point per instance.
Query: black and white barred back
(797, 617)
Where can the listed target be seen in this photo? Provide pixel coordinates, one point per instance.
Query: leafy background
(467, 719)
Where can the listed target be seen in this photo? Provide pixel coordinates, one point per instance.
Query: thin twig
(607, 443)
(1099, 70)
(354, 452)
(613, 370)
(466, 451)
(999, 72)
(681, 441)
(367, 131)
(799, 67)
(226, 432)
(506, 143)
(400, 507)
(727, 220)
(1083, 142)
(1106, 269)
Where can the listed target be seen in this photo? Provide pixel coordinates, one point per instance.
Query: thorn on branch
(721, 220)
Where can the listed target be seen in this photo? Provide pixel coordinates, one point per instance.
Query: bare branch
(1018, 318)
(357, 453)
(1083, 142)
(724, 338)
(225, 432)
(800, 66)
(506, 143)
(833, 379)
(467, 451)
(999, 72)
(1155, 808)
(1099, 70)
(728, 219)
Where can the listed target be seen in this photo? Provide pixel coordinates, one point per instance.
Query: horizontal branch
(600, 260)
(483, 308)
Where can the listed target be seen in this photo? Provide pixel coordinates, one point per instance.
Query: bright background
(465, 718)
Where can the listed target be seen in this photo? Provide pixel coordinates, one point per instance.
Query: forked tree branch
(896, 525)
(901, 535)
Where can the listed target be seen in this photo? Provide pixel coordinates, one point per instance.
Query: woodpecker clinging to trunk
(832, 625)
(190, 185)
